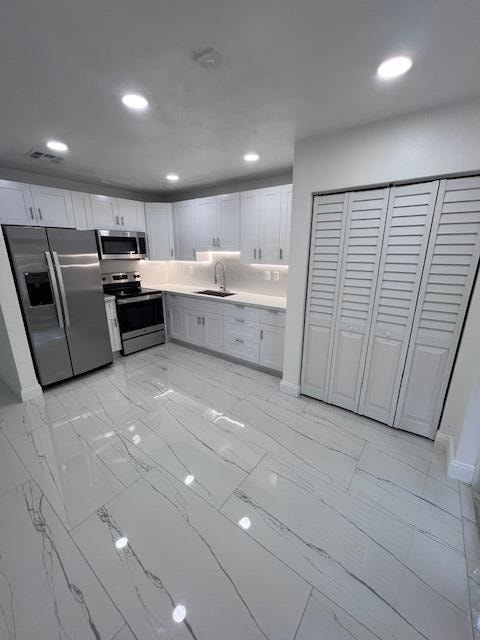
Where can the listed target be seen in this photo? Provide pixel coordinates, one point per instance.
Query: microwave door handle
(61, 286)
(53, 282)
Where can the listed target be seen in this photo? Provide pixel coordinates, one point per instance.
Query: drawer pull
(240, 306)
(238, 340)
(261, 334)
(239, 320)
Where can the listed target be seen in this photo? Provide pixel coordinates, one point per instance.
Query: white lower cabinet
(237, 330)
(113, 330)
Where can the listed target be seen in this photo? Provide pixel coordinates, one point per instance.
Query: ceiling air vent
(207, 58)
(44, 155)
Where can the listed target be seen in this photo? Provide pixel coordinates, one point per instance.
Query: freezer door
(76, 263)
(38, 293)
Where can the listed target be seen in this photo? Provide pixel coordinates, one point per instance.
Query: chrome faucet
(223, 280)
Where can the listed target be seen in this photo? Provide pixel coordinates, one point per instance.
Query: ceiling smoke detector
(207, 58)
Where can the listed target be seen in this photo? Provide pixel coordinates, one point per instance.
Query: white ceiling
(289, 69)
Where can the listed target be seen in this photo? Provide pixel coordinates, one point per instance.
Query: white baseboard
(289, 388)
(29, 393)
(455, 468)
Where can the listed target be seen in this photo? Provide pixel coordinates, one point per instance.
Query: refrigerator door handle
(58, 269)
(53, 282)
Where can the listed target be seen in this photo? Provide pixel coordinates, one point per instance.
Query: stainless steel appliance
(139, 311)
(121, 245)
(57, 274)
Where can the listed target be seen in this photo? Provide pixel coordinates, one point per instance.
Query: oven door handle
(150, 296)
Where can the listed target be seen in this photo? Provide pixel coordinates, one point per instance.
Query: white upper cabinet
(206, 223)
(104, 212)
(82, 210)
(285, 223)
(159, 222)
(249, 225)
(270, 222)
(265, 225)
(53, 207)
(184, 224)
(407, 231)
(449, 273)
(16, 205)
(131, 214)
(228, 233)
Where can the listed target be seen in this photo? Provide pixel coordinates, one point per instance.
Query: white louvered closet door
(449, 273)
(361, 257)
(328, 225)
(407, 230)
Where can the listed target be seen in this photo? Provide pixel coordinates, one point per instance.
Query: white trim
(289, 388)
(29, 393)
(455, 468)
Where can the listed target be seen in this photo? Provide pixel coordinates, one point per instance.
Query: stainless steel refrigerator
(57, 274)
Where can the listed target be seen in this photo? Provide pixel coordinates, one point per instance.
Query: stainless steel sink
(219, 294)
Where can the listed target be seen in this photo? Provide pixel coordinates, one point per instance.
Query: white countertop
(109, 298)
(242, 297)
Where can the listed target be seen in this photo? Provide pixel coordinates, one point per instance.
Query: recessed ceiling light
(251, 157)
(121, 543)
(179, 613)
(245, 522)
(135, 101)
(56, 145)
(394, 67)
(172, 177)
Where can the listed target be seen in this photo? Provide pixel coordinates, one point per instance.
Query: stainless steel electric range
(139, 311)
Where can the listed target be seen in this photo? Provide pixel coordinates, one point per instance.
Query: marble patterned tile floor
(177, 495)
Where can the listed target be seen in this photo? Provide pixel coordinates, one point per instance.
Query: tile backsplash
(240, 277)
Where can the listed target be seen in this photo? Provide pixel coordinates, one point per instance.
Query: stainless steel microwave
(121, 245)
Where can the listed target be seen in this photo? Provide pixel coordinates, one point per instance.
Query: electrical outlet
(276, 276)
(267, 275)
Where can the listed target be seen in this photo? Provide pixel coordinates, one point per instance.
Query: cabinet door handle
(239, 320)
(203, 321)
(31, 213)
(117, 221)
(281, 254)
(40, 213)
(171, 253)
(213, 241)
(259, 254)
(123, 222)
(194, 253)
(198, 320)
(240, 306)
(218, 242)
(238, 340)
(254, 254)
(261, 334)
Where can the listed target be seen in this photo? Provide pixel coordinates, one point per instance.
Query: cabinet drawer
(241, 328)
(241, 311)
(273, 317)
(241, 348)
(197, 304)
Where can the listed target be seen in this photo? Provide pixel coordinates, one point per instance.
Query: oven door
(121, 245)
(141, 315)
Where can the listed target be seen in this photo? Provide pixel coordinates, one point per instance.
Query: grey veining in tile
(12, 472)
(353, 553)
(180, 551)
(265, 516)
(47, 589)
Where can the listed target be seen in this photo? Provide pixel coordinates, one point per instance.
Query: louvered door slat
(391, 323)
(363, 245)
(328, 225)
(442, 305)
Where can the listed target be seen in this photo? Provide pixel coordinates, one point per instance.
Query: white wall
(17, 369)
(459, 432)
(423, 145)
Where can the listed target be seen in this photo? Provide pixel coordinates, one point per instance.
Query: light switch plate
(276, 276)
(267, 275)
